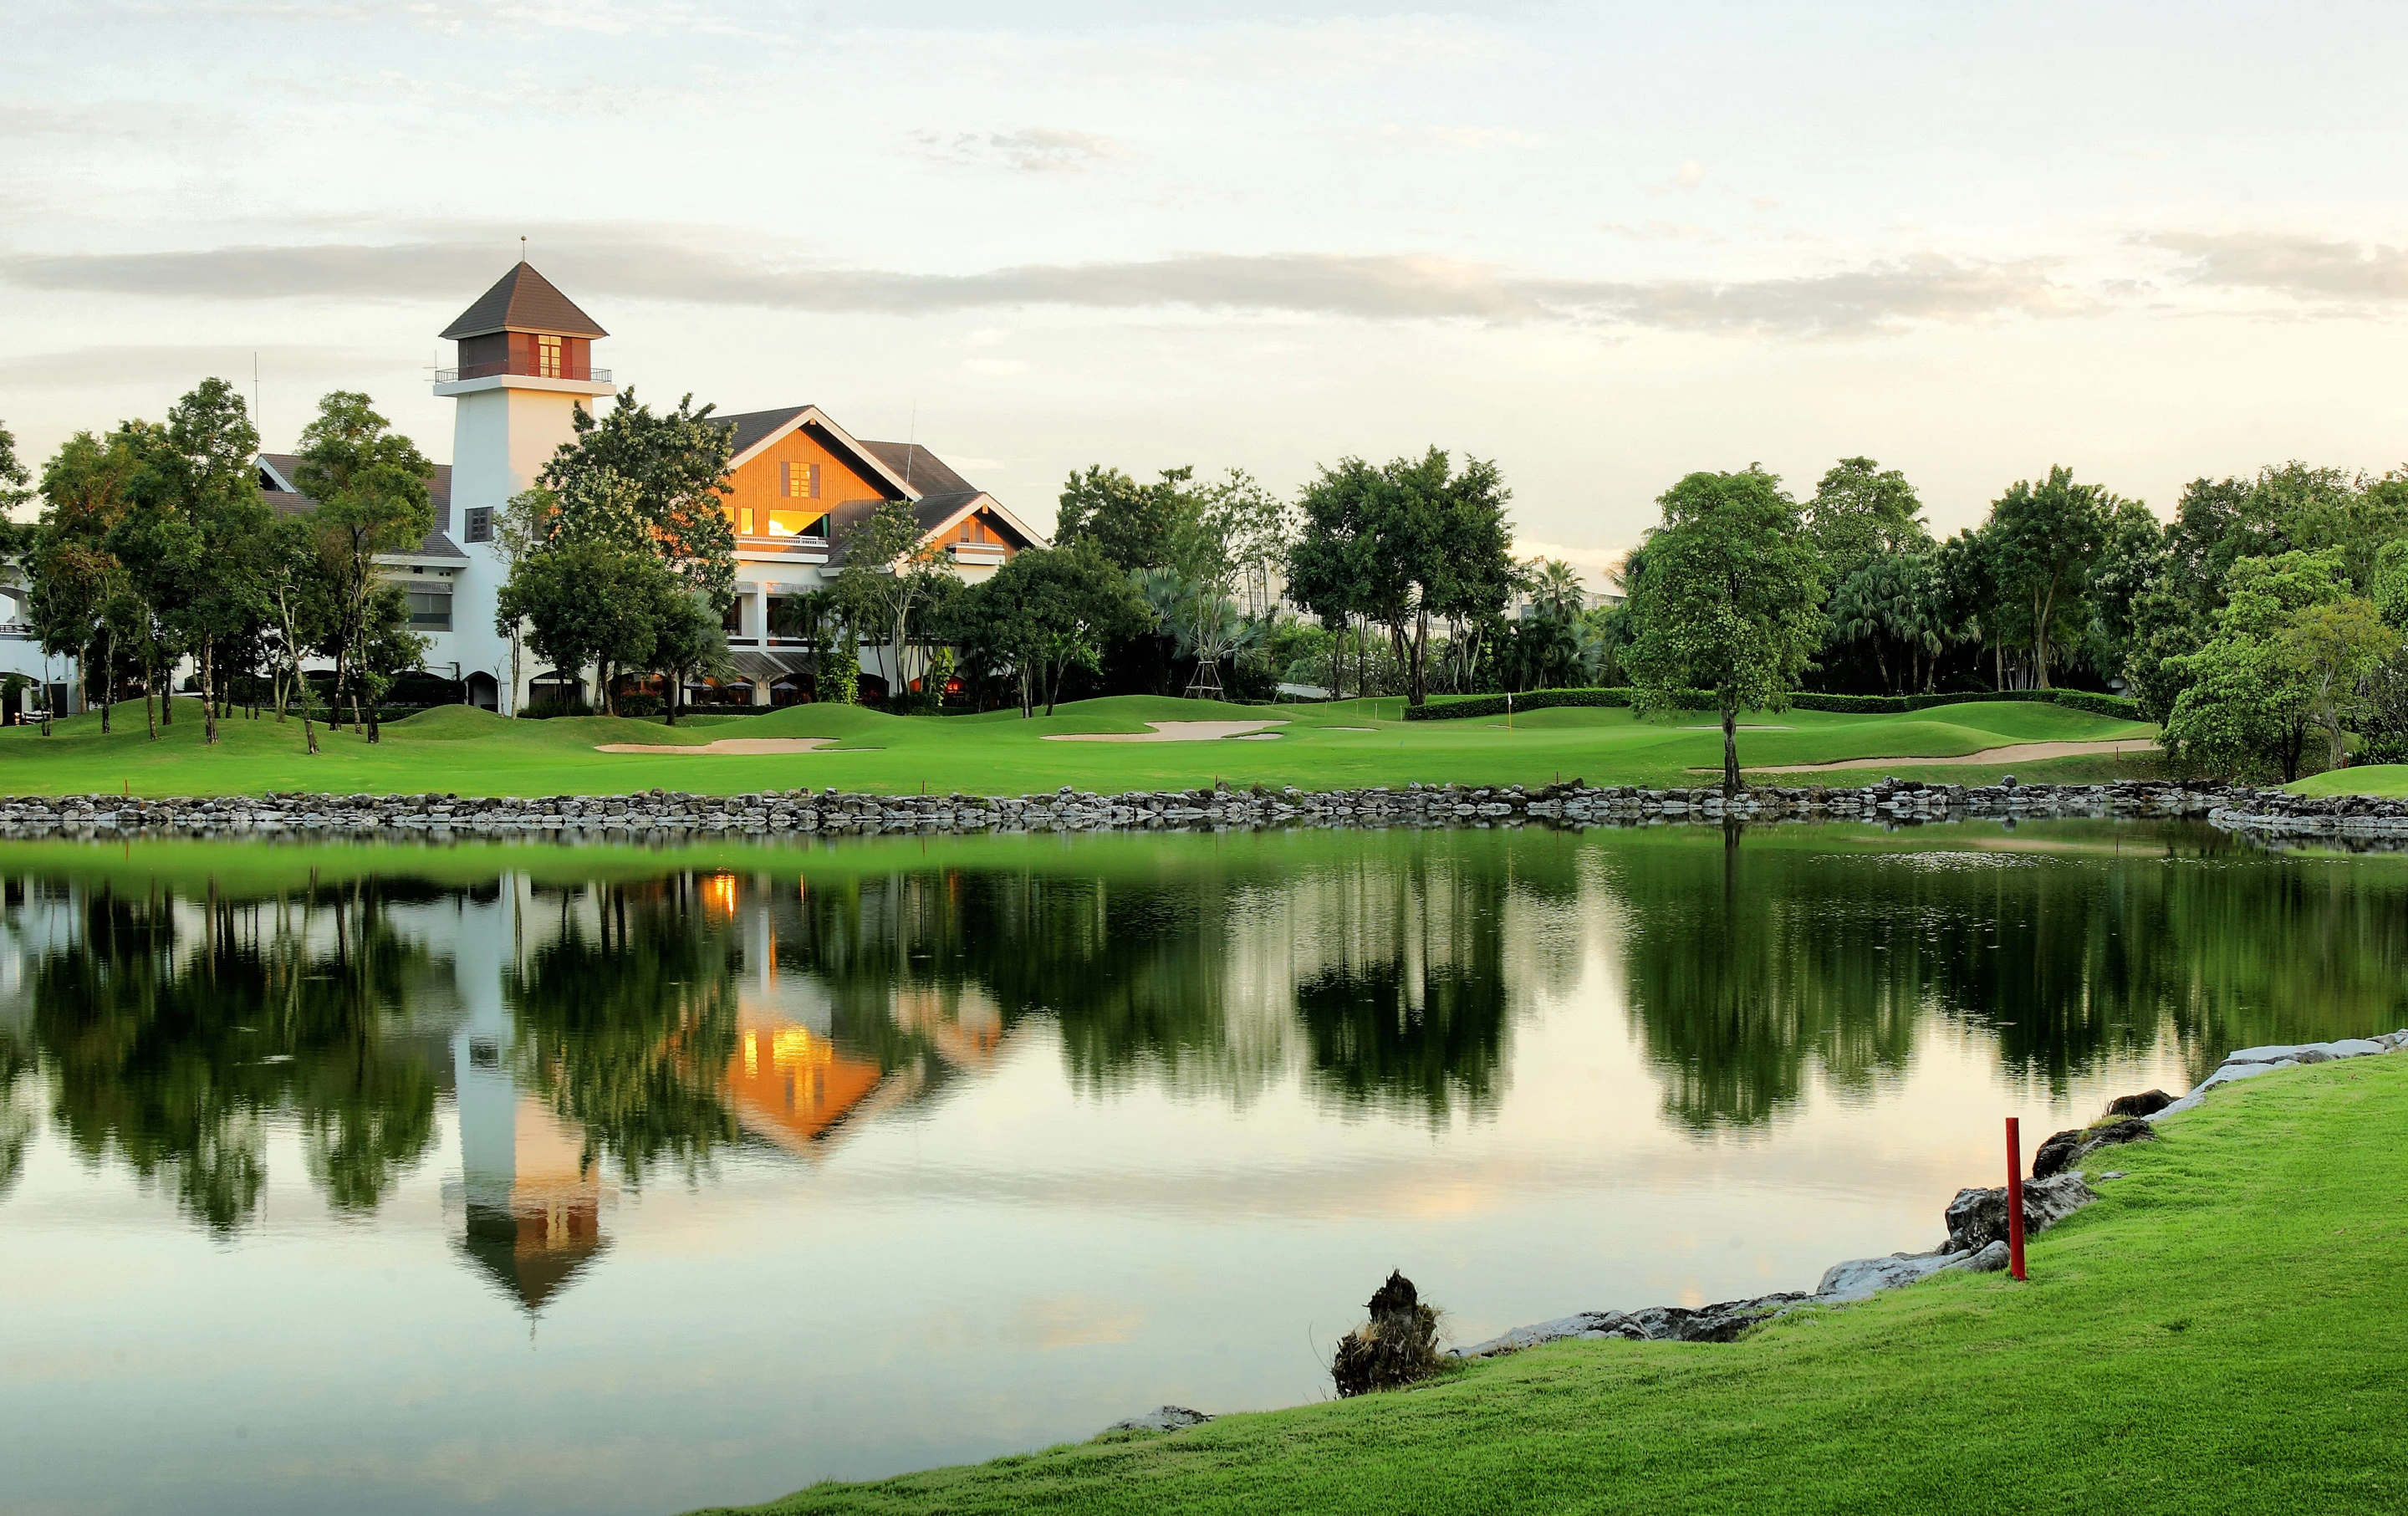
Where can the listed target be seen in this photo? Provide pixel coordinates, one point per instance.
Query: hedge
(1878, 705)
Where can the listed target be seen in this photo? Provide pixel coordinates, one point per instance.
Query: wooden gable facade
(787, 486)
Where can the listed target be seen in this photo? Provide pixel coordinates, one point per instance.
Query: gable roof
(523, 300)
(757, 429)
(923, 470)
(278, 468)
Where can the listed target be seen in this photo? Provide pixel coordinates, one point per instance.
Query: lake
(390, 1179)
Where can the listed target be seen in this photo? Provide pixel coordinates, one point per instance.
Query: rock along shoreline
(1975, 1218)
(670, 814)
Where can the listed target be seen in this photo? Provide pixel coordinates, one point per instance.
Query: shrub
(2118, 706)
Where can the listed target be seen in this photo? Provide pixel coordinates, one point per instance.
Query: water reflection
(603, 1032)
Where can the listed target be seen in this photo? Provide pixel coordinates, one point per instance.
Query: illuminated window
(546, 357)
(799, 481)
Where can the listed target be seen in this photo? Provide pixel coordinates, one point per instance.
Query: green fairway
(2388, 779)
(2221, 1333)
(1350, 743)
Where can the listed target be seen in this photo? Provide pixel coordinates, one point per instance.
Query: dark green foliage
(2120, 706)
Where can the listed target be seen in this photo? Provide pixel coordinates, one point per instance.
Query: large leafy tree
(13, 475)
(2246, 698)
(1729, 603)
(1137, 525)
(2046, 537)
(590, 601)
(1402, 544)
(1862, 512)
(1048, 612)
(199, 540)
(72, 579)
(668, 472)
(370, 485)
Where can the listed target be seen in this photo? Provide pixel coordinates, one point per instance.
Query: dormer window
(546, 357)
(798, 481)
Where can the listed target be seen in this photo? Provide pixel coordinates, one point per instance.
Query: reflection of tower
(534, 1200)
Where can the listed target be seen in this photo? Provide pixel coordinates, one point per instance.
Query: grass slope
(2220, 1334)
(2386, 780)
(459, 750)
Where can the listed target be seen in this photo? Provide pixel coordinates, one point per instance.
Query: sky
(1603, 245)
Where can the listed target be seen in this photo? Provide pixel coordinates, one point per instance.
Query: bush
(639, 705)
(2093, 704)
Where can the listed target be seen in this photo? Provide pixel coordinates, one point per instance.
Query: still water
(391, 1180)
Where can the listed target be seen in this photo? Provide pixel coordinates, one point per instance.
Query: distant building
(524, 368)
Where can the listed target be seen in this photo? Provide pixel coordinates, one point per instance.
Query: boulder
(2108, 1134)
(2056, 1152)
(2147, 1103)
(1162, 1419)
(1977, 1217)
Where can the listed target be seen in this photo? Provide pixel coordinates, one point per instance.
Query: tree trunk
(673, 684)
(2040, 609)
(1421, 656)
(150, 700)
(1730, 748)
(168, 697)
(208, 693)
(108, 680)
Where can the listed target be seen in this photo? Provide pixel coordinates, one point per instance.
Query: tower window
(546, 357)
(479, 523)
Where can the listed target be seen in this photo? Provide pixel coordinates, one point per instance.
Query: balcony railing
(524, 368)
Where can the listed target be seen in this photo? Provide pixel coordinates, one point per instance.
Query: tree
(668, 473)
(888, 570)
(1862, 512)
(13, 476)
(1729, 602)
(2334, 650)
(1136, 527)
(370, 485)
(2045, 537)
(589, 601)
(1402, 543)
(520, 527)
(687, 641)
(72, 579)
(2243, 701)
(1048, 610)
(197, 541)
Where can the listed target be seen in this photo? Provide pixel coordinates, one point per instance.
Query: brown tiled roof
(438, 489)
(927, 473)
(751, 426)
(523, 300)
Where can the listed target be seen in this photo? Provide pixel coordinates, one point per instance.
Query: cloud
(182, 364)
(1870, 299)
(2308, 269)
(1601, 567)
(995, 367)
(1040, 149)
(113, 118)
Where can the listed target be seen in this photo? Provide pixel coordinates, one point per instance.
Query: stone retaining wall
(676, 813)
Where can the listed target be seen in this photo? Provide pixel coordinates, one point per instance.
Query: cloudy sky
(1604, 244)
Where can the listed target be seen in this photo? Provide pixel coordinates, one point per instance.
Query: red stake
(2014, 1197)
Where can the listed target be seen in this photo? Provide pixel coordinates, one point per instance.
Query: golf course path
(2012, 752)
(1170, 732)
(755, 746)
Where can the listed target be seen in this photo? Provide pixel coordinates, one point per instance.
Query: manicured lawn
(2222, 1333)
(464, 751)
(2390, 779)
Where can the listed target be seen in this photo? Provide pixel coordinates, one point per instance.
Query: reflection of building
(790, 1085)
(534, 1199)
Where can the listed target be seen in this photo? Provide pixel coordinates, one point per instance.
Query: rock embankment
(662, 812)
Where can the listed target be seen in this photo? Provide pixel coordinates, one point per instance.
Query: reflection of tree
(16, 1107)
(168, 1038)
(627, 1032)
(1411, 1009)
(1744, 965)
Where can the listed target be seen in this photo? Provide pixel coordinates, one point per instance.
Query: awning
(766, 665)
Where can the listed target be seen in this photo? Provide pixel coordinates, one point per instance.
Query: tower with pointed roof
(524, 368)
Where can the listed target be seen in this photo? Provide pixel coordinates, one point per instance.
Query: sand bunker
(752, 745)
(1172, 731)
(2012, 754)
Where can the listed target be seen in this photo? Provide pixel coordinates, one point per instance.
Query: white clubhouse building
(524, 368)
